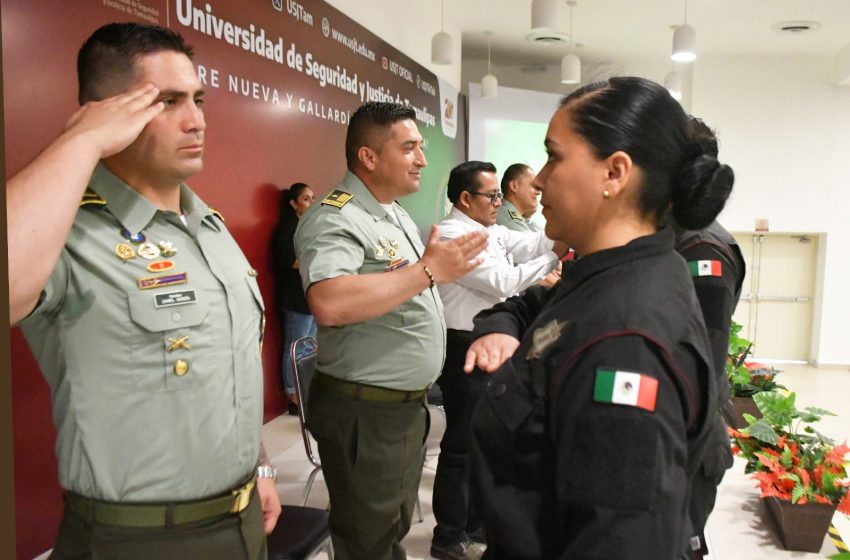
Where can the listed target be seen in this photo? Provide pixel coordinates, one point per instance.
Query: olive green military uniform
(149, 334)
(510, 217)
(366, 406)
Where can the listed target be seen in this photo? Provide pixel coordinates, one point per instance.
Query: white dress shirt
(513, 261)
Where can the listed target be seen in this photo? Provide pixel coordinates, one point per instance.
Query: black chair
(304, 367)
(300, 534)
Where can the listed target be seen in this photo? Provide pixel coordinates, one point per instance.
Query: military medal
(395, 264)
(166, 248)
(133, 237)
(394, 243)
(391, 253)
(161, 281)
(125, 252)
(379, 251)
(543, 337)
(160, 266)
(149, 251)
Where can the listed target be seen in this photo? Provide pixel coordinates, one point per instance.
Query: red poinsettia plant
(789, 458)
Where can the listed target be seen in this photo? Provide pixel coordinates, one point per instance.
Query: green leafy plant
(789, 458)
(747, 378)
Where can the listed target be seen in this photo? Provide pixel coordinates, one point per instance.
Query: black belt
(361, 391)
(162, 514)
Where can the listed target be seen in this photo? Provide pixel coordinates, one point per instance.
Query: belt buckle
(241, 497)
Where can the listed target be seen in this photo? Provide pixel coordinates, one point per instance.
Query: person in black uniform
(717, 268)
(588, 436)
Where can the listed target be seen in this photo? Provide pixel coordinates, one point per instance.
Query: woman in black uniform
(589, 435)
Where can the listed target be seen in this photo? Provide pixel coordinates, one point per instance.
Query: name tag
(171, 299)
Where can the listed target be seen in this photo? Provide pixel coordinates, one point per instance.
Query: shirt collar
(134, 211)
(508, 205)
(648, 245)
(457, 214)
(352, 184)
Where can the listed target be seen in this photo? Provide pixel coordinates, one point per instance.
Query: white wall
(785, 130)
(408, 26)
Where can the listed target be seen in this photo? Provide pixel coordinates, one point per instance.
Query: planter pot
(801, 526)
(734, 412)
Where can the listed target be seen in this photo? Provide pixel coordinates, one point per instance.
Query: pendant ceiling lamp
(441, 43)
(489, 83)
(684, 41)
(673, 83)
(543, 14)
(571, 64)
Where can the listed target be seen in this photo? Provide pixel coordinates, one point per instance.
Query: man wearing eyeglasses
(513, 261)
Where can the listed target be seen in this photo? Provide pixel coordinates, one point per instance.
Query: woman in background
(592, 427)
(297, 320)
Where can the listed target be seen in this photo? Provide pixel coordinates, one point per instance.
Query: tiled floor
(736, 529)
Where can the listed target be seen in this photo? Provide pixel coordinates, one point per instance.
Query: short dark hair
(368, 123)
(512, 173)
(106, 60)
(464, 177)
(641, 118)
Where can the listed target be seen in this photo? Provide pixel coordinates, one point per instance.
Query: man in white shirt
(513, 261)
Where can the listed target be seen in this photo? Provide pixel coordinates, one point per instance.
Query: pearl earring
(606, 194)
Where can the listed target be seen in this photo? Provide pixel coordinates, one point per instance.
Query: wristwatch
(267, 471)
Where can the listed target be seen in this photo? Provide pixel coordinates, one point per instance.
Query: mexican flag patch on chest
(627, 388)
(705, 268)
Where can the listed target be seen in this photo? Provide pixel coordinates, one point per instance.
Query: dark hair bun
(701, 192)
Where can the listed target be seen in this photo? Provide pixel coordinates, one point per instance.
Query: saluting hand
(450, 260)
(111, 125)
(489, 352)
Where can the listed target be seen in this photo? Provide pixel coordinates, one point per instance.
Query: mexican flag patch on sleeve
(626, 388)
(705, 268)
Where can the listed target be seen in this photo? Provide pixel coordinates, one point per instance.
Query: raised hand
(451, 259)
(489, 352)
(112, 124)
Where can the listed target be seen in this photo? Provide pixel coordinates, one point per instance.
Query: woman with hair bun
(601, 404)
(297, 319)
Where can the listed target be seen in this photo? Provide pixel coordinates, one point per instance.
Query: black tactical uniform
(565, 474)
(717, 269)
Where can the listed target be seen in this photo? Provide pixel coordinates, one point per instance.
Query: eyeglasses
(494, 197)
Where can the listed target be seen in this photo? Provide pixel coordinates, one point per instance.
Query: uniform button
(175, 316)
(181, 368)
(500, 390)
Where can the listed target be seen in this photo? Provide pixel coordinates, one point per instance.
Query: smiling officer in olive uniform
(371, 287)
(144, 315)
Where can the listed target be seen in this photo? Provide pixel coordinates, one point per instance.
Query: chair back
(304, 352)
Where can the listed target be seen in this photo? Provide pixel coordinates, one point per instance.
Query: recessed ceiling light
(547, 37)
(796, 27)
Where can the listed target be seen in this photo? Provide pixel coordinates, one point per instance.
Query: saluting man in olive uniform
(371, 287)
(144, 315)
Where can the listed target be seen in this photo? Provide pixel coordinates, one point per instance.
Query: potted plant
(802, 474)
(745, 379)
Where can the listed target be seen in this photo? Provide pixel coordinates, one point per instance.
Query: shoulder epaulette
(337, 198)
(216, 213)
(515, 215)
(91, 197)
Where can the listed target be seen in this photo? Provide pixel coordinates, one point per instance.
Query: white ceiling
(609, 31)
